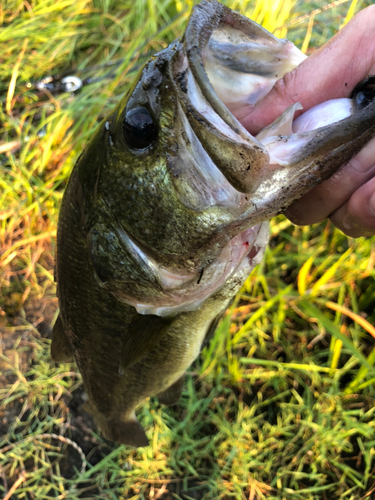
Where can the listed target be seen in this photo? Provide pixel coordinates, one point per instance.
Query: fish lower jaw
(242, 253)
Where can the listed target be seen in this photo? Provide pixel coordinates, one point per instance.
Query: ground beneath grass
(280, 404)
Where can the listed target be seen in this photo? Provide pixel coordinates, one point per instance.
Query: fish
(166, 211)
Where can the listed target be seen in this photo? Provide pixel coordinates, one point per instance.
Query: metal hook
(71, 83)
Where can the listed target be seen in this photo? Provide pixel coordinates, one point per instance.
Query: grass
(280, 405)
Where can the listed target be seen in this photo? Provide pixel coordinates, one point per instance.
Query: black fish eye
(139, 128)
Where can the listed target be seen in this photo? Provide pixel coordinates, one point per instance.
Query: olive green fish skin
(138, 189)
(102, 195)
(172, 229)
(96, 323)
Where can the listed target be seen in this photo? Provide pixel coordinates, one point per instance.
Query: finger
(331, 72)
(357, 217)
(324, 199)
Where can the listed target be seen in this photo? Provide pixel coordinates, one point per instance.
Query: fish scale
(165, 213)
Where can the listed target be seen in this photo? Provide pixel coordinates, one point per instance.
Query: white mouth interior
(242, 69)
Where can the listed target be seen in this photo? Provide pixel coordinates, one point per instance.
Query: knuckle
(285, 88)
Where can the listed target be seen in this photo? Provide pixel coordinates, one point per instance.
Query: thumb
(330, 73)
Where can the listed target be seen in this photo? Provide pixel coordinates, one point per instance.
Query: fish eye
(139, 128)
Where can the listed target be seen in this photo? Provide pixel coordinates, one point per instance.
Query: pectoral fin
(60, 346)
(143, 334)
(171, 395)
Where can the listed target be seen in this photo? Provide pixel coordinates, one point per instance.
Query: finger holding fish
(329, 198)
(331, 72)
(357, 216)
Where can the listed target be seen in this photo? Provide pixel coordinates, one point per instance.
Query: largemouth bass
(165, 213)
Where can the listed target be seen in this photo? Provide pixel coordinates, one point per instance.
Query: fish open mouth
(222, 66)
(219, 164)
(225, 64)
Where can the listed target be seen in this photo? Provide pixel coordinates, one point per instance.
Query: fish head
(173, 188)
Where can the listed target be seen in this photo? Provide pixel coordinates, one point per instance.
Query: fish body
(165, 213)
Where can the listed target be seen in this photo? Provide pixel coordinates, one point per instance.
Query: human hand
(348, 197)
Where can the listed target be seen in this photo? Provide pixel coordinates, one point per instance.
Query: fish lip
(205, 17)
(235, 152)
(307, 170)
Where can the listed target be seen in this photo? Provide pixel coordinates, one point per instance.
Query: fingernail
(348, 222)
(351, 228)
(364, 160)
(372, 204)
